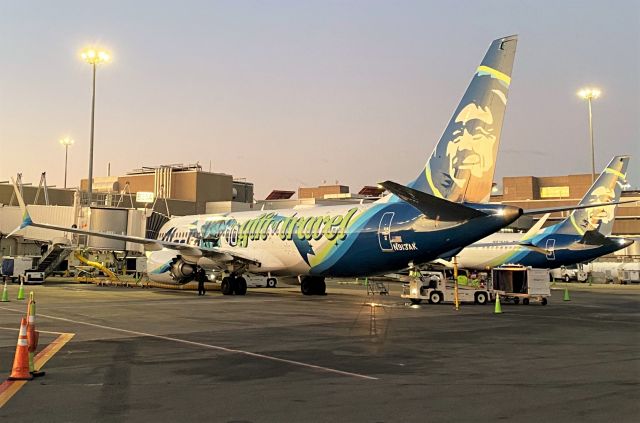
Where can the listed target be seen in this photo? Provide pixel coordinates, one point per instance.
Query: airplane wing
(216, 253)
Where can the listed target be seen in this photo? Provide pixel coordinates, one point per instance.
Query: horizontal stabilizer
(432, 207)
(535, 248)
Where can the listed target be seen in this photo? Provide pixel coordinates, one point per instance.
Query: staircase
(52, 258)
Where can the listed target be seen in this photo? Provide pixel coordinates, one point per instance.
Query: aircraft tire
(240, 287)
(271, 282)
(226, 287)
(306, 287)
(320, 287)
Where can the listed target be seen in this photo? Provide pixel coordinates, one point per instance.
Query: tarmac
(133, 354)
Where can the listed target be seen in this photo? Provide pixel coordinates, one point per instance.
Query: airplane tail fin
(607, 188)
(26, 218)
(462, 165)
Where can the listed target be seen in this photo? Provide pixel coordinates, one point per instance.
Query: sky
(301, 93)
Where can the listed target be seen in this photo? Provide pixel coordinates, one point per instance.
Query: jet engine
(182, 271)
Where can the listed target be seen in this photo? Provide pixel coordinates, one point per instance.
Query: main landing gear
(233, 284)
(313, 285)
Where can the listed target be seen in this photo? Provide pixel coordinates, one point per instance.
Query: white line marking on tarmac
(152, 303)
(209, 346)
(41, 331)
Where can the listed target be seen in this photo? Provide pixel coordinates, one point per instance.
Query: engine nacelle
(181, 271)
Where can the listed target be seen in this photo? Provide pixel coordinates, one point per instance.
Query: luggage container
(517, 283)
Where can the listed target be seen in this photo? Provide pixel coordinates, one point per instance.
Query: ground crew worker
(201, 277)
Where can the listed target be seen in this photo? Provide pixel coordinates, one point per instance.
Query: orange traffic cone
(21, 360)
(32, 335)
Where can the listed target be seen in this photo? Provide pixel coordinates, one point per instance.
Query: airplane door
(384, 231)
(550, 247)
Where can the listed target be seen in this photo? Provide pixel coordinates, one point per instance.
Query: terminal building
(137, 203)
(322, 195)
(187, 190)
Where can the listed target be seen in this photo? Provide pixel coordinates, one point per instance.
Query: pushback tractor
(434, 287)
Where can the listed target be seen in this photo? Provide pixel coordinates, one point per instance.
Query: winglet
(26, 218)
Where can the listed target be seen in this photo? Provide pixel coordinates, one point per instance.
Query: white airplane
(442, 210)
(583, 236)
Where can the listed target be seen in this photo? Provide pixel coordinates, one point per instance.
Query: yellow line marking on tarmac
(10, 387)
(215, 347)
(51, 349)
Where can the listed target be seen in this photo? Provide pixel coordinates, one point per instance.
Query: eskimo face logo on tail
(470, 153)
(463, 163)
(605, 214)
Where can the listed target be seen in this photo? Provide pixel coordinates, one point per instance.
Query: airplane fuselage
(562, 250)
(348, 240)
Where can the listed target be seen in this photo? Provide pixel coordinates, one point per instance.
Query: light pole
(93, 57)
(590, 94)
(66, 142)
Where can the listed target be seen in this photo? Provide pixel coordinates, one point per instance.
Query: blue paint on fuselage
(566, 249)
(361, 254)
(566, 256)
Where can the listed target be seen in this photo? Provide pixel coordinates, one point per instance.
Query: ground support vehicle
(32, 277)
(515, 283)
(15, 268)
(569, 273)
(434, 287)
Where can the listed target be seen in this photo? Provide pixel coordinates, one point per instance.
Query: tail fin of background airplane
(462, 165)
(607, 188)
(26, 218)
